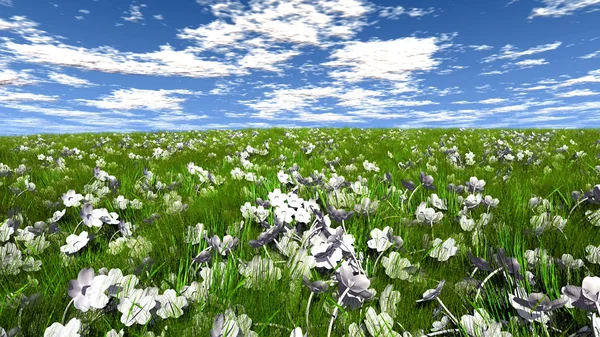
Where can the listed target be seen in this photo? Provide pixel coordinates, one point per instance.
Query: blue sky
(146, 65)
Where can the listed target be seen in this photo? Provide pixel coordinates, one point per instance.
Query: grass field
(212, 233)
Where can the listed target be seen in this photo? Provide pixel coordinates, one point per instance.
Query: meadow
(301, 232)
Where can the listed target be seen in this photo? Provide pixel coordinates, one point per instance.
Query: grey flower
(78, 288)
(229, 243)
(203, 257)
(456, 189)
(267, 236)
(427, 181)
(316, 287)
(356, 285)
(431, 294)
(409, 185)
(509, 263)
(479, 262)
(339, 215)
(541, 302)
(475, 185)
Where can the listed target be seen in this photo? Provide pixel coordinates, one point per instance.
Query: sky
(153, 65)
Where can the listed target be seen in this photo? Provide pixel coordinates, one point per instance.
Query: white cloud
(84, 11)
(481, 47)
(10, 77)
(394, 13)
(25, 28)
(304, 22)
(591, 55)
(511, 53)
(593, 76)
(576, 107)
(266, 60)
(135, 14)
(576, 93)
(7, 3)
(10, 96)
(530, 63)
(558, 8)
(493, 101)
(485, 101)
(326, 118)
(130, 99)
(493, 72)
(69, 80)
(391, 60)
(166, 62)
(158, 17)
(288, 100)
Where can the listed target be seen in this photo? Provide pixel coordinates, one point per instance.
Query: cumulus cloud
(391, 60)
(305, 22)
(134, 99)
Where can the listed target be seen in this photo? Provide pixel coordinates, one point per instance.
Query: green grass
(277, 308)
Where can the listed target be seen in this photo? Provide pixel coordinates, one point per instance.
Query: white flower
(121, 202)
(75, 243)
(379, 239)
(437, 202)
(114, 333)
(285, 213)
(283, 177)
(466, 224)
(443, 251)
(302, 215)
(111, 218)
(6, 231)
(57, 216)
(136, 307)
(247, 210)
(481, 324)
(69, 330)
(195, 234)
(71, 198)
(594, 254)
(297, 332)
(277, 198)
(428, 215)
(171, 305)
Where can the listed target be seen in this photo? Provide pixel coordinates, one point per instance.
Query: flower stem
(376, 260)
(441, 332)
(335, 311)
(411, 195)
(66, 309)
(80, 222)
(448, 312)
(308, 308)
(485, 280)
(577, 204)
